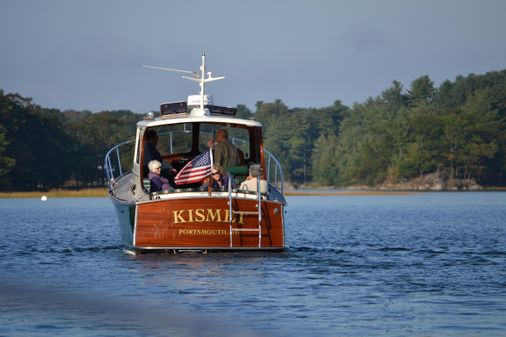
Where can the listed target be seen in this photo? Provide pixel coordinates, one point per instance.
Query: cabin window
(237, 136)
(174, 138)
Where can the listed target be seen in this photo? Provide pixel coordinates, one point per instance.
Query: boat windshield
(239, 137)
(175, 138)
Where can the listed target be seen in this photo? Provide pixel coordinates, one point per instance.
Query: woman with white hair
(251, 182)
(156, 181)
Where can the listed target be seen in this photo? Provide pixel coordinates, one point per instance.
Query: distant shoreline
(372, 191)
(103, 192)
(58, 193)
(323, 192)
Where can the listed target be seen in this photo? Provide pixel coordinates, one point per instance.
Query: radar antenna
(200, 78)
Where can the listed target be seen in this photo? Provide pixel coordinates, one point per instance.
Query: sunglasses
(216, 173)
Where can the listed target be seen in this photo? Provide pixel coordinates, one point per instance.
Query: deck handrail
(277, 180)
(274, 171)
(109, 168)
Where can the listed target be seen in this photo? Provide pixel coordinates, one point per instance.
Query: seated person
(220, 179)
(156, 181)
(225, 154)
(150, 151)
(251, 182)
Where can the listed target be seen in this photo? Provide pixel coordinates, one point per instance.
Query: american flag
(196, 170)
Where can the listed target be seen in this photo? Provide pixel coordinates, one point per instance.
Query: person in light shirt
(251, 182)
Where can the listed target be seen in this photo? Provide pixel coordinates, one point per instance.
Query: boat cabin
(182, 136)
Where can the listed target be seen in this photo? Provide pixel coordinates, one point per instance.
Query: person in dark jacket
(156, 181)
(150, 151)
(225, 154)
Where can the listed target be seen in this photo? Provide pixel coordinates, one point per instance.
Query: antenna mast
(202, 81)
(200, 78)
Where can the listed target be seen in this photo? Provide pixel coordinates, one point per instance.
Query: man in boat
(225, 154)
(150, 151)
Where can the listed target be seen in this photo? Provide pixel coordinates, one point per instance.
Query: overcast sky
(86, 54)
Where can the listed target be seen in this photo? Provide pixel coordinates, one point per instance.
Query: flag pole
(210, 178)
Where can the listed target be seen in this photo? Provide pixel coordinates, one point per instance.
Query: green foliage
(43, 148)
(470, 135)
(6, 163)
(457, 129)
(423, 147)
(291, 135)
(243, 112)
(37, 142)
(421, 91)
(96, 133)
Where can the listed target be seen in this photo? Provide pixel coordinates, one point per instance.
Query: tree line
(44, 148)
(456, 129)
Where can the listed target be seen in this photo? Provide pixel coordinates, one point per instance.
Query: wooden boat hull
(201, 223)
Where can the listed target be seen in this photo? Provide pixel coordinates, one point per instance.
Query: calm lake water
(428, 264)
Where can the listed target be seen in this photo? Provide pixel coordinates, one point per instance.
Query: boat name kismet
(204, 215)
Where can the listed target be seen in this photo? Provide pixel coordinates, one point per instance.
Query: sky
(85, 55)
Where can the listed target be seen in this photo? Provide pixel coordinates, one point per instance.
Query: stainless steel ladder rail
(232, 213)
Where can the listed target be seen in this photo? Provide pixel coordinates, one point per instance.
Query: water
(429, 264)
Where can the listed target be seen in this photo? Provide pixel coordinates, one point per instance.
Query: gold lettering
(199, 215)
(206, 215)
(227, 216)
(216, 216)
(183, 231)
(178, 218)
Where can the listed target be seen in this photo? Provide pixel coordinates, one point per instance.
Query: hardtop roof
(186, 118)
